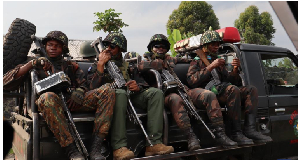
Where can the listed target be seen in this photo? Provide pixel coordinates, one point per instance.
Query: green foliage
(187, 35)
(286, 63)
(173, 37)
(193, 17)
(255, 28)
(108, 21)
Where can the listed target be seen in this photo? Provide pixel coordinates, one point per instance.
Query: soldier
(87, 52)
(100, 100)
(158, 59)
(149, 99)
(199, 75)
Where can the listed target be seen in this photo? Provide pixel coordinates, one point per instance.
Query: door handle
(280, 110)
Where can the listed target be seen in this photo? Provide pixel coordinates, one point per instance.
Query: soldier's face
(213, 46)
(159, 48)
(113, 49)
(54, 48)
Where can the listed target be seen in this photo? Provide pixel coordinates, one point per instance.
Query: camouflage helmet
(86, 50)
(158, 38)
(59, 36)
(210, 36)
(118, 39)
(130, 55)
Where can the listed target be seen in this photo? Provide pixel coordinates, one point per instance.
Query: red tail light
(229, 34)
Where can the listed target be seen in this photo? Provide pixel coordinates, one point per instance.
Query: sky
(145, 18)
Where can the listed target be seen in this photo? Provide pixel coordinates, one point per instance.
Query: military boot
(123, 153)
(222, 139)
(250, 131)
(158, 149)
(237, 135)
(193, 142)
(95, 153)
(73, 152)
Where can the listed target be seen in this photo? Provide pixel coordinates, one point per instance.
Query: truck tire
(17, 43)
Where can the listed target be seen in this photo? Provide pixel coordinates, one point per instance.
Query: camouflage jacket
(199, 76)
(71, 68)
(130, 72)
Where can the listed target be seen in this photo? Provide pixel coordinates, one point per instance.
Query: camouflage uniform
(100, 100)
(203, 99)
(228, 94)
(199, 76)
(149, 99)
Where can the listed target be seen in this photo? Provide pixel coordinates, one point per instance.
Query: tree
(173, 37)
(193, 17)
(108, 21)
(255, 28)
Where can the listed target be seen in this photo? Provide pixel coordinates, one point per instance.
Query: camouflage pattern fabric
(158, 38)
(59, 36)
(51, 107)
(207, 100)
(210, 36)
(95, 79)
(159, 64)
(118, 39)
(233, 97)
(176, 105)
(100, 100)
(173, 101)
(198, 76)
(130, 55)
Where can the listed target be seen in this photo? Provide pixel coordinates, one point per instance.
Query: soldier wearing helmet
(87, 52)
(101, 99)
(142, 96)
(199, 75)
(202, 98)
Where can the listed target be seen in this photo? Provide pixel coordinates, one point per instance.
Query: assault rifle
(172, 82)
(119, 82)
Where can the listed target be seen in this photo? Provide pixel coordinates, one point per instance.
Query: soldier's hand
(132, 86)
(76, 98)
(104, 57)
(236, 63)
(43, 63)
(216, 63)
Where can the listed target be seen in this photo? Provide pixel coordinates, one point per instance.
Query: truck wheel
(17, 43)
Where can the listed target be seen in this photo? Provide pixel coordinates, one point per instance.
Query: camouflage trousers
(100, 100)
(207, 100)
(234, 97)
(176, 105)
(202, 99)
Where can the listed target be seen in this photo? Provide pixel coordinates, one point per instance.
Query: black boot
(193, 142)
(237, 135)
(73, 152)
(222, 139)
(250, 131)
(97, 143)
